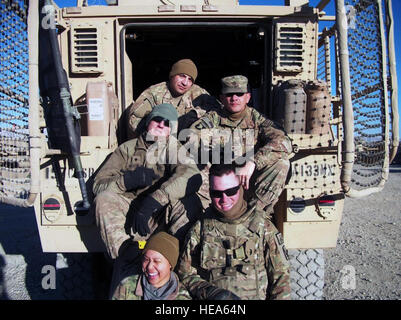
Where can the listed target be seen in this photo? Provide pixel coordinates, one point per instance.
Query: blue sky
(329, 10)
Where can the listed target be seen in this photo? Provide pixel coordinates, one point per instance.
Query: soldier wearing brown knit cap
(165, 244)
(180, 90)
(185, 67)
(152, 277)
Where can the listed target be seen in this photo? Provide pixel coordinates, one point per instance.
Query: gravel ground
(21, 256)
(366, 264)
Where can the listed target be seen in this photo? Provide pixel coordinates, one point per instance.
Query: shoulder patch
(203, 123)
(199, 126)
(207, 122)
(278, 238)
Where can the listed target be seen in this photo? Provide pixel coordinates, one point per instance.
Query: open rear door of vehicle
(369, 93)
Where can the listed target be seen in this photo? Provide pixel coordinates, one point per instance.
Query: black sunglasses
(159, 119)
(238, 94)
(228, 192)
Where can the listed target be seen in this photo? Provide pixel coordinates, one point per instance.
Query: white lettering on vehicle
(314, 170)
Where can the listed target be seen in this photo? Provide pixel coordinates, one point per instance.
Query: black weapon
(69, 113)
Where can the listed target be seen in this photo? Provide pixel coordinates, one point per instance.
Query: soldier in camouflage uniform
(138, 192)
(266, 162)
(190, 100)
(233, 252)
(149, 275)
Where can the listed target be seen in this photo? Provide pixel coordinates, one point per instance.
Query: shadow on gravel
(20, 240)
(3, 293)
(79, 276)
(395, 168)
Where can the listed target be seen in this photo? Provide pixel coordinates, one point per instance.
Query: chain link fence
(370, 86)
(14, 108)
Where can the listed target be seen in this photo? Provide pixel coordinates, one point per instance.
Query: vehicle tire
(306, 274)
(82, 276)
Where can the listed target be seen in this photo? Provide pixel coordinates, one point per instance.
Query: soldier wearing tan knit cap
(184, 67)
(165, 244)
(180, 90)
(151, 278)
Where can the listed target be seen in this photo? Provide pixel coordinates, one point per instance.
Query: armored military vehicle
(68, 75)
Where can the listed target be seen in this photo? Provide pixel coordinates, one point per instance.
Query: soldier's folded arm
(111, 176)
(203, 102)
(274, 145)
(185, 180)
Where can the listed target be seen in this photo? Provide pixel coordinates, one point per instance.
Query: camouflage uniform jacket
(168, 188)
(270, 142)
(246, 256)
(196, 98)
(131, 289)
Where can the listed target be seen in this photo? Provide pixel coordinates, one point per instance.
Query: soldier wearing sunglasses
(233, 252)
(135, 196)
(264, 172)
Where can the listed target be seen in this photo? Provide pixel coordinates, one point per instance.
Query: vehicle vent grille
(290, 42)
(85, 49)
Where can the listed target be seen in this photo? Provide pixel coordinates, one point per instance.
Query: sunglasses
(228, 192)
(238, 94)
(159, 119)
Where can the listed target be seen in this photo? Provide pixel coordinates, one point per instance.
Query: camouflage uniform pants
(266, 186)
(114, 217)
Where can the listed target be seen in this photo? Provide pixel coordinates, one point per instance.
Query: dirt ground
(366, 264)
